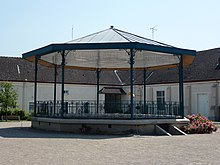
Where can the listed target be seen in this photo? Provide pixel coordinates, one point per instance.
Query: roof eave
(89, 46)
(163, 49)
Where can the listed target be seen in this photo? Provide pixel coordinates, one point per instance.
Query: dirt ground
(22, 145)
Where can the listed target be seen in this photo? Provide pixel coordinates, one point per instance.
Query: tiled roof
(202, 69)
(9, 72)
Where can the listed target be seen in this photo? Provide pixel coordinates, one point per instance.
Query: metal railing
(108, 110)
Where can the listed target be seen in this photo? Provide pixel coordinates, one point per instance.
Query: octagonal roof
(110, 49)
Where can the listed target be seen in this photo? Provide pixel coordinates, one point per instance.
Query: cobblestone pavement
(21, 145)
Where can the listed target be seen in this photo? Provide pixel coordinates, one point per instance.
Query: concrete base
(106, 126)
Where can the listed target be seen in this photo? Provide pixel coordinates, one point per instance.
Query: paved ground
(19, 144)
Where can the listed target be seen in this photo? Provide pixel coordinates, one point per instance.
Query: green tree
(8, 96)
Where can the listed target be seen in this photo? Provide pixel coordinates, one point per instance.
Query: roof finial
(111, 27)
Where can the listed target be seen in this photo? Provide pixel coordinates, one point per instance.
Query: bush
(28, 116)
(199, 124)
(3, 112)
(16, 112)
(19, 112)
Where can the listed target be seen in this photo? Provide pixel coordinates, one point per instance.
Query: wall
(192, 91)
(25, 92)
(138, 93)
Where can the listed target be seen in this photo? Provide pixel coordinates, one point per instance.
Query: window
(160, 100)
(31, 107)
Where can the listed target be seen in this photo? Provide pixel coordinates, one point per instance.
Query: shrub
(19, 112)
(28, 116)
(16, 112)
(199, 124)
(3, 112)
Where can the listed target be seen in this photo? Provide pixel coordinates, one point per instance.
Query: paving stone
(20, 144)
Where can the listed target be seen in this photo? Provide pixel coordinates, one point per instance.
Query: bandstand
(110, 49)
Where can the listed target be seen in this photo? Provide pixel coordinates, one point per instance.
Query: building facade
(201, 87)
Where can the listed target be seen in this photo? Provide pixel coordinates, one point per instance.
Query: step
(170, 129)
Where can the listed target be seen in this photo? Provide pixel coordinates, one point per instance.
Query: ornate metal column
(145, 77)
(181, 90)
(55, 88)
(35, 85)
(97, 91)
(62, 81)
(132, 54)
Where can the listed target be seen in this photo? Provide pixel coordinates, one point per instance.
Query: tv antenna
(153, 29)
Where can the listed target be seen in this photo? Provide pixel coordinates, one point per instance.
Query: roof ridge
(212, 49)
(4, 56)
(129, 38)
(143, 37)
(88, 35)
(116, 30)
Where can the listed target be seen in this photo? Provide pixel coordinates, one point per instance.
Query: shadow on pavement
(28, 132)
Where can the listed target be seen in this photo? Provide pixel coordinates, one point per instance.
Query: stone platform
(107, 126)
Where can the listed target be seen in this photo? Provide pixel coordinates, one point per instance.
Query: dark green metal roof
(106, 45)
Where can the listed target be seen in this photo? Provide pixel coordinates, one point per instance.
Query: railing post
(181, 94)
(35, 85)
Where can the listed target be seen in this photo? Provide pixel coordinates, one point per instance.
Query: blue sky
(29, 24)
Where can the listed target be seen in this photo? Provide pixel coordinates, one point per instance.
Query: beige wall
(192, 91)
(25, 92)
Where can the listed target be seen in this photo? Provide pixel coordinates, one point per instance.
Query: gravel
(22, 145)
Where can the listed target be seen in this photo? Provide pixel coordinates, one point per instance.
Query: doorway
(203, 104)
(112, 103)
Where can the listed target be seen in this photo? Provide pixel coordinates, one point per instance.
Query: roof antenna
(153, 29)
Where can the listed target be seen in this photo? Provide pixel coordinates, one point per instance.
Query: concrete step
(170, 129)
(160, 131)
